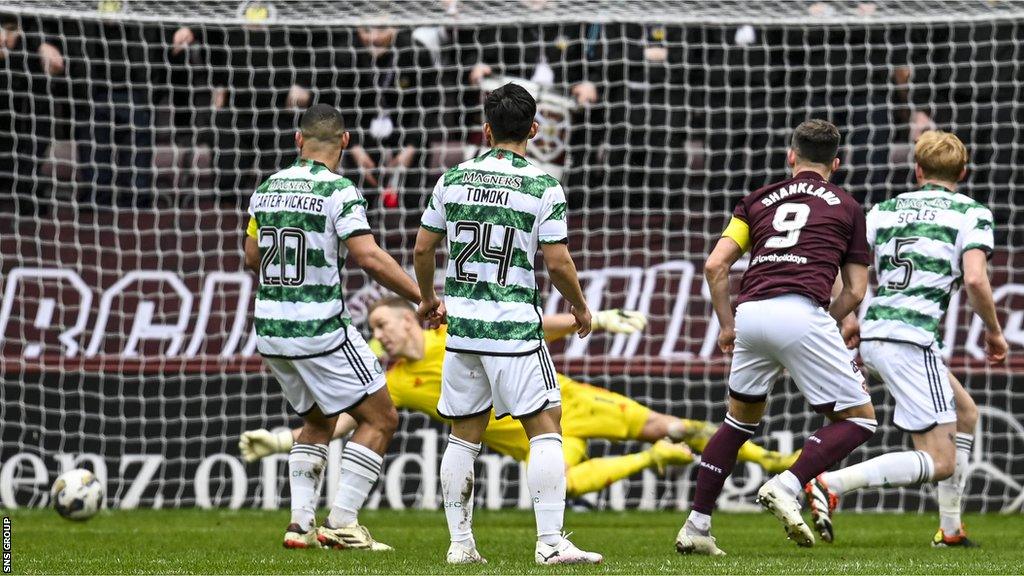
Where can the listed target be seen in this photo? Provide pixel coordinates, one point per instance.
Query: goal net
(132, 134)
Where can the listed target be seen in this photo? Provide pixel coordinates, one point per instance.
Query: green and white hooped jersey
(495, 209)
(919, 239)
(298, 216)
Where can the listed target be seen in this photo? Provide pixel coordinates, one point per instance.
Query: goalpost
(132, 133)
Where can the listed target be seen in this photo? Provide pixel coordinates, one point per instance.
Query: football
(77, 494)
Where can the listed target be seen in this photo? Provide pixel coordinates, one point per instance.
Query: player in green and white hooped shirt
(303, 220)
(494, 211)
(926, 243)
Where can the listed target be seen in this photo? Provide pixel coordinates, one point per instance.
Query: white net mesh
(131, 134)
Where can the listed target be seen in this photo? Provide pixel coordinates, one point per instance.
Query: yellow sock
(751, 452)
(599, 473)
(695, 433)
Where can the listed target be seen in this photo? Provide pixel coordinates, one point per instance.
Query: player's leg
(717, 463)
(307, 458)
(922, 394)
(376, 421)
(593, 412)
(696, 434)
(750, 380)
(257, 444)
(354, 383)
(599, 473)
(525, 388)
(950, 491)
(457, 481)
(817, 358)
(466, 400)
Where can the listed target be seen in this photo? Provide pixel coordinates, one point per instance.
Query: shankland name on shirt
(808, 188)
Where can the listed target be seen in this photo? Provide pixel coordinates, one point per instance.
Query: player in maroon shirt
(800, 233)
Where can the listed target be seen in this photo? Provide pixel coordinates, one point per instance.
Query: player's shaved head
(510, 111)
(816, 141)
(940, 156)
(323, 123)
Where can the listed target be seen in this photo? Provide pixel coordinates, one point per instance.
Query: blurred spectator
(118, 71)
(388, 87)
(554, 56)
(27, 63)
(647, 112)
(255, 102)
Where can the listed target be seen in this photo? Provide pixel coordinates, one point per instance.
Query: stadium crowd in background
(119, 112)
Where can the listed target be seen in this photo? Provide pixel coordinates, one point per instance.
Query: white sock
(789, 482)
(895, 469)
(546, 478)
(457, 488)
(700, 521)
(951, 490)
(305, 471)
(360, 468)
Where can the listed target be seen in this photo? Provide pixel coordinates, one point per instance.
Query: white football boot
(693, 542)
(565, 552)
(775, 499)
(297, 539)
(459, 553)
(353, 537)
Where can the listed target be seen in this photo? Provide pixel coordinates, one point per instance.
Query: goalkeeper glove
(620, 321)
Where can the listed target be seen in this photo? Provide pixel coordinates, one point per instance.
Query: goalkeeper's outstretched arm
(558, 326)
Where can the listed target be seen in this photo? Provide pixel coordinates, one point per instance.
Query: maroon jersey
(801, 231)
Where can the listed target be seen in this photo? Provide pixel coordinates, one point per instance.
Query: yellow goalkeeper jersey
(587, 411)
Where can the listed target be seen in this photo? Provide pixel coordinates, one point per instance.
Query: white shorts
(794, 333)
(918, 380)
(335, 382)
(517, 386)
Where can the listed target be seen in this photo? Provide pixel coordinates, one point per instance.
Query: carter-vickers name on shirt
(288, 202)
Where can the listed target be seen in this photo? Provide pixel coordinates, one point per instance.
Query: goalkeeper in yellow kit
(588, 412)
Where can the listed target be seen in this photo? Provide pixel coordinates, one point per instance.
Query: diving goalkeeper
(414, 382)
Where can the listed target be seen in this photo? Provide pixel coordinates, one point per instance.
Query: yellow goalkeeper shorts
(592, 412)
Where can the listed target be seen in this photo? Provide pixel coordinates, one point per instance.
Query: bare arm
(252, 254)
(558, 326)
(716, 270)
(615, 320)
(562, 271)
(431, 308)
(854, 287)
(381, 266)
(979, 294)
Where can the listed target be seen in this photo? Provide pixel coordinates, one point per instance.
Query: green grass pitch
(248, 541)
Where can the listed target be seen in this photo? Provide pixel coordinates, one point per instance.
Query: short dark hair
(322, 122)
(396, 302)
(510, 111)
(8, 20)
(816, 141)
